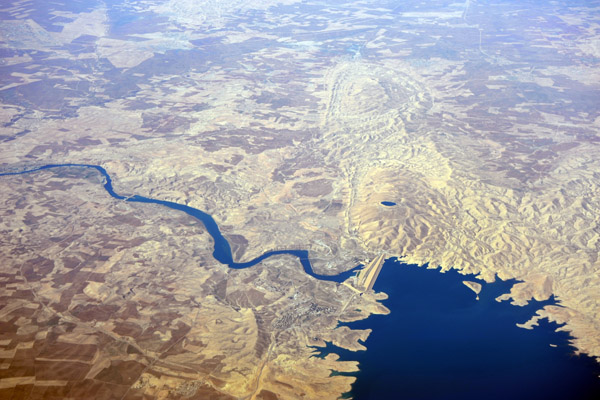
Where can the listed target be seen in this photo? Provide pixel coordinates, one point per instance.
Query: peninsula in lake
(317, 136)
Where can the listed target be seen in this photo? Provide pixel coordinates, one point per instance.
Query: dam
(367, 276)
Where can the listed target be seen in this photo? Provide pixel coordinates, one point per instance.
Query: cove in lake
(439, 342)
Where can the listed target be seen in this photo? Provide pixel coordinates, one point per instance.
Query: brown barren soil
(289, 122)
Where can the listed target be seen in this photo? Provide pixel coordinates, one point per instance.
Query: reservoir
(439, 342)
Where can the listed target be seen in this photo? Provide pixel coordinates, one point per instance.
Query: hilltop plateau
(289, 123)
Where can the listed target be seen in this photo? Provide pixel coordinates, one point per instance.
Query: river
(439, 342)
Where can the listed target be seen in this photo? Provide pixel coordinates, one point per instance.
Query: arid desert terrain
(289, 123)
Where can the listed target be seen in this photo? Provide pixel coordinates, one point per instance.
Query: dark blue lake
(439, 342)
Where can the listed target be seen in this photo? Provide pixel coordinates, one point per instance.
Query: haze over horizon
(451, 135)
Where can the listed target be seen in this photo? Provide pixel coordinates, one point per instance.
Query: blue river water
(438, 342)
(222, 249)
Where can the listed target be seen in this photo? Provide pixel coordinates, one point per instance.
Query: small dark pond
(438, 342)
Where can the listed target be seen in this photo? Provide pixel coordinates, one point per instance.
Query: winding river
(438, 342)
(222, 248)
